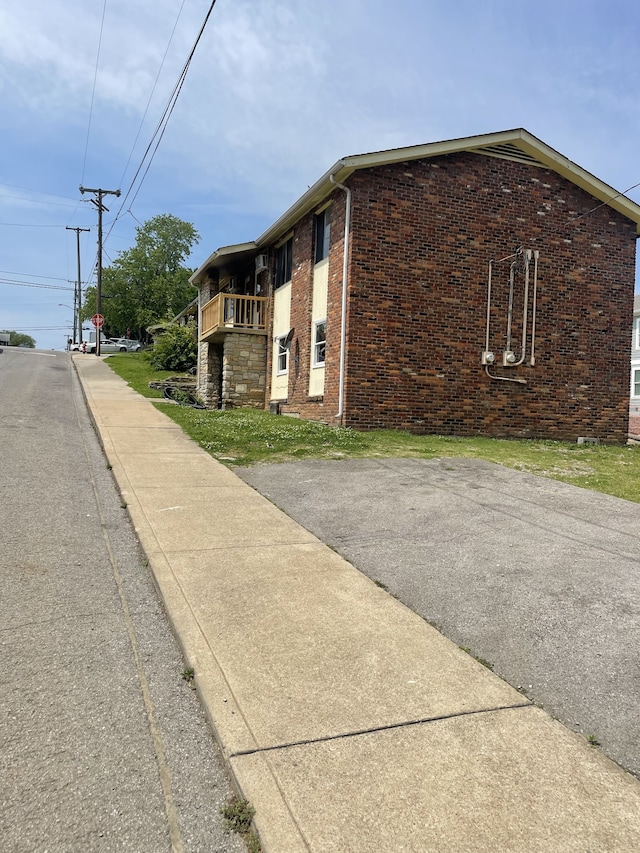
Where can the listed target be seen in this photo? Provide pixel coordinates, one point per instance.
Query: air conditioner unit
(261, 263)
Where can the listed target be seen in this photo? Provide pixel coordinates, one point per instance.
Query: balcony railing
(227, 312)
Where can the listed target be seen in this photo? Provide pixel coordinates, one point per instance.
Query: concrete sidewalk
(347, 721)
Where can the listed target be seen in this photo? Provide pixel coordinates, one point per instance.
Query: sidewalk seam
(375, 729)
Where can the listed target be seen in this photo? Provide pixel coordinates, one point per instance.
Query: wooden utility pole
(99, 193)
(77, 296)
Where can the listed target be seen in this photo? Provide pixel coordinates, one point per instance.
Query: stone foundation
(232, 374)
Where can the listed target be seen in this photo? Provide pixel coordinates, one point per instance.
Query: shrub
(175, 349)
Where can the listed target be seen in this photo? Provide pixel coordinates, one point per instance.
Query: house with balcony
(476, 286)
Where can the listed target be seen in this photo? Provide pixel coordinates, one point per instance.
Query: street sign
(97, 320)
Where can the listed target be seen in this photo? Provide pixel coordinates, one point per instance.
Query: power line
(36, 201)
(93, 93)
(572, 220)
(153, 89)
(41, 328)
(34, 275)
(33, 284)
(28, 225)
(162, 123)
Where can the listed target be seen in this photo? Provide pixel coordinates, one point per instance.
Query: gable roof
(517, 144)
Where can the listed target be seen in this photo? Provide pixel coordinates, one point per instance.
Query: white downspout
(345, 270)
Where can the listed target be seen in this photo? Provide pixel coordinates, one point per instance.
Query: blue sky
(277, 92)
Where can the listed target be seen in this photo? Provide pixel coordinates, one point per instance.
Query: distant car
(110, 345)
(87, 346)
(128, 345)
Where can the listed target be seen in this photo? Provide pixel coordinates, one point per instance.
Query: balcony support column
(209, 373)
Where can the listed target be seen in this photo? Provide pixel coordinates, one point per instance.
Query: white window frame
(282, 350)
(637, 333)
(635, 382)
(317, 343)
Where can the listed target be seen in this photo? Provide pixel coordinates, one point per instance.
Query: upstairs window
(283, 262)
(322, 229)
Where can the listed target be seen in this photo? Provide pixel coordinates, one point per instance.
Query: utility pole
(101, 208)
(77, 295)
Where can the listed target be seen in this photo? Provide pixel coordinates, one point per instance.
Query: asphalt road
(538, 578)
(103, 746)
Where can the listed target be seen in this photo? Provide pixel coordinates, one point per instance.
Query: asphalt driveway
(538, 578)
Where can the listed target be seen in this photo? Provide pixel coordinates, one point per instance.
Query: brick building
(478, 286)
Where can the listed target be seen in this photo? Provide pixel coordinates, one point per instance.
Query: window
(637, 334)
(283, 262)
(282, 354)
(636, 383)
(319, 339)
(323, 228)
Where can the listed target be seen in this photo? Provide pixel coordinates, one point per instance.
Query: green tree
(17, 339)
(147, 282)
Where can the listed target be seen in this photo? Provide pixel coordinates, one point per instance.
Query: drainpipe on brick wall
(345, 269)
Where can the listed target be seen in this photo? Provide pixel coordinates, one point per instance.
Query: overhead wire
(28, 225)
(93, 92)
(153, 89)
(570, 221)
(34, 275)
(13, 283)
(161, 127)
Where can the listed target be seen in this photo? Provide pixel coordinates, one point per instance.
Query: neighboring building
(634, 407)
(479, 286)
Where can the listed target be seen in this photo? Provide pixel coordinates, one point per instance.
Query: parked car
(109, 345)
(129, 345)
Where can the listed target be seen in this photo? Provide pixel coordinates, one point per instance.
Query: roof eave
(221, 257)
(520, 137)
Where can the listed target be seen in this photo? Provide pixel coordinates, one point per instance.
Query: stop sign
(97, 320)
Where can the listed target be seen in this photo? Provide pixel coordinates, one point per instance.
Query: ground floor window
(319, 339)
(636, 383)
(282, 354)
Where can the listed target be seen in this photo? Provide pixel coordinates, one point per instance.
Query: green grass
(249, 436)
(135, 369)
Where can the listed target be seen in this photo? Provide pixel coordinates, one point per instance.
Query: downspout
(345, 270)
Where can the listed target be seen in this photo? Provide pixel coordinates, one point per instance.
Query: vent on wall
(510, 152)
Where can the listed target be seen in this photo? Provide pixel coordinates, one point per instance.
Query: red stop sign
(97, 320)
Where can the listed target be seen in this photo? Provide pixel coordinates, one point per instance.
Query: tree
(147, 282)
(17, 339)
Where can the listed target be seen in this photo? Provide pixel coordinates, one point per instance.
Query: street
(103, 745)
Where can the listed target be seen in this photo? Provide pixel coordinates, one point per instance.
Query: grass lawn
(248, 437)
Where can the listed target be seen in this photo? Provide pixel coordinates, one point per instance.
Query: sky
(277, 91)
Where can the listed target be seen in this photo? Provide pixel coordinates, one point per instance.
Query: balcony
(228, 312)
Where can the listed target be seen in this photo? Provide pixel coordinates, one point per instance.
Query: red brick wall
(298, 401)
(421, 238)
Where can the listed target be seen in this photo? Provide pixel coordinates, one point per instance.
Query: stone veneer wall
(244, 371)
(208, 381)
